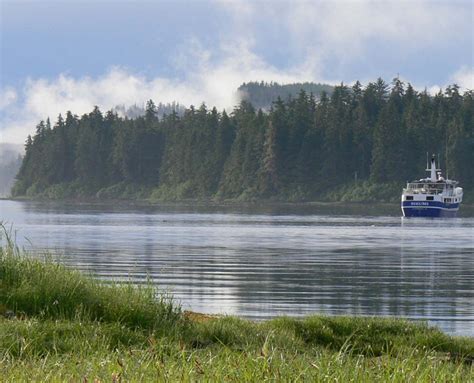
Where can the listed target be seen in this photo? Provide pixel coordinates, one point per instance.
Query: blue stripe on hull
(428, 212)
(426, 204)
(429, 209)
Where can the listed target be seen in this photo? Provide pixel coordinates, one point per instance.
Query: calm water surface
(268, 261)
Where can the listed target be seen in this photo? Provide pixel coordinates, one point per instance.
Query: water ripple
(267, 263)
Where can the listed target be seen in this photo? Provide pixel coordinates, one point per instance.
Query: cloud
(331, 36)
(348, 23)
(7, 98)
(464, 77)
(207, 80)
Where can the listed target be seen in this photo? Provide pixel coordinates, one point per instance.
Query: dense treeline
(262, 94)
(368, 139)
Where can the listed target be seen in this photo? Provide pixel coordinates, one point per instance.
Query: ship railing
(427, 188)
(434, 191)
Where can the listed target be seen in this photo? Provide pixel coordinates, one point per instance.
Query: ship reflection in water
(276, 261)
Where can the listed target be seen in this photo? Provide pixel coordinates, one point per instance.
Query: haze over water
(269, 261)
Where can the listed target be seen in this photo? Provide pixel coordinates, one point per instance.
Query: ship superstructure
(433, 196)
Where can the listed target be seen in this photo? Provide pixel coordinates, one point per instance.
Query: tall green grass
(66, 326)
(49, 290)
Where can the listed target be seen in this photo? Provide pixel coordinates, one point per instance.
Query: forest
(357, 143)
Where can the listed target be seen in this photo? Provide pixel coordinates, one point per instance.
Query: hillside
(261, 94)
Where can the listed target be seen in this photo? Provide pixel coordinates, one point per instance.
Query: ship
(433, 196)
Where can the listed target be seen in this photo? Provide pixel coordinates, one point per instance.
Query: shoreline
(264, 206)
(205, 202)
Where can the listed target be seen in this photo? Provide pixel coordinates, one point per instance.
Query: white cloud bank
(7, 98)
(464, 77)
(207, 81)
(317, 31)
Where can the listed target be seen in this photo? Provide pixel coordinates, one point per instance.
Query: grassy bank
(59, 325)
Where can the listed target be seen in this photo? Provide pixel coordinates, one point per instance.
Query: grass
(60, 325)
(45, 289)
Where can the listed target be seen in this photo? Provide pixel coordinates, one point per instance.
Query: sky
(57, 56)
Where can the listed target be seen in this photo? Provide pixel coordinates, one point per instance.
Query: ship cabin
(427, 190)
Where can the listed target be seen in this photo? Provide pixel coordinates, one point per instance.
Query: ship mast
(433, 169)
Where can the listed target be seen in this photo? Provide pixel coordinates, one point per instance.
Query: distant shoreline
(198, 202)
(262, 205)
(203, 201)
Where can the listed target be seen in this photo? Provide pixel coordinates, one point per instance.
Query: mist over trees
(364, 139)
(10, 162)
(135, 111)
(262, 94)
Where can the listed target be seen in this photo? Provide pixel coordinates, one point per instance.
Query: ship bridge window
(429, 198)
(409, 198)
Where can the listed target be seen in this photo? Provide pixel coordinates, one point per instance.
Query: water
(276, 260)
